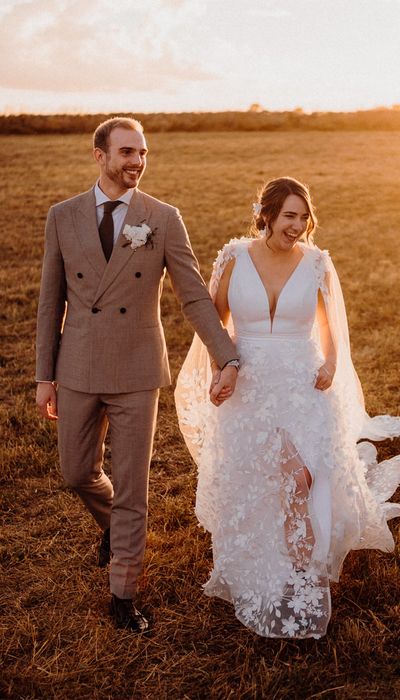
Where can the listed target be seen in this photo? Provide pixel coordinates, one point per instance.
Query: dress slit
(296, 483)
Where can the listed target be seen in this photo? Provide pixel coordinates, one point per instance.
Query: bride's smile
(289, 226)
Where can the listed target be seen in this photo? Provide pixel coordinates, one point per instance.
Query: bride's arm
(327, 370)
(222, 305)
(221, 297)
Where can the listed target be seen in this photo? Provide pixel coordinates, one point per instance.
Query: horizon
(299, 110)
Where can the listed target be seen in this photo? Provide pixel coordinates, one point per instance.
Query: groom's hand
(46, 400)
(223, 384)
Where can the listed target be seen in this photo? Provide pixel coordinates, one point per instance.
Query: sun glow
(182, 55)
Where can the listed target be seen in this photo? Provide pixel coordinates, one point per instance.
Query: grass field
(56, 638)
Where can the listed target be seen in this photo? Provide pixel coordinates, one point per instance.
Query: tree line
(386, 119)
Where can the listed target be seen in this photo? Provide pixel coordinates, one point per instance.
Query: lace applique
(227, 253)
(322, 266)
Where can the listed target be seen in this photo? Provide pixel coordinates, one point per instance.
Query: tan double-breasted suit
(100, 337)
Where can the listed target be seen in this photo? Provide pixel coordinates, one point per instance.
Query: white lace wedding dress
(276, 541)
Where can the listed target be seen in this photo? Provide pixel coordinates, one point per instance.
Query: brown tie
(106, 228)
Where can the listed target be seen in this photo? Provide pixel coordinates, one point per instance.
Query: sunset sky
(205, 55)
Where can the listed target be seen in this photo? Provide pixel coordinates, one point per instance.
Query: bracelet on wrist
(233, 363)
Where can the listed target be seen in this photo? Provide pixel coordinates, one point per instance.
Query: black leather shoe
(104, 549)
(126, 616)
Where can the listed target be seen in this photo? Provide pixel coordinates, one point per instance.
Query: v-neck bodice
(249, 304)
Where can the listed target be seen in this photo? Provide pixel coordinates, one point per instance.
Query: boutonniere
(138, 235)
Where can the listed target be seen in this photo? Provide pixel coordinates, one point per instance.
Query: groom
(101, 353)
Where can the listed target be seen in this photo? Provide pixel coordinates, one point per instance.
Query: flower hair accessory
(257, 208)
(137, 235)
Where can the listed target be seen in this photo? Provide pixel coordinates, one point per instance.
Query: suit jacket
(99, 327)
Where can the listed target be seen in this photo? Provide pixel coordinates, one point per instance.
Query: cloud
(98, 45)
(262, 13)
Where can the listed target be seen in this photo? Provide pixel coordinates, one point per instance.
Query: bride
(284, 488)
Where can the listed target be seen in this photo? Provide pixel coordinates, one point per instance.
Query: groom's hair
(103, 131)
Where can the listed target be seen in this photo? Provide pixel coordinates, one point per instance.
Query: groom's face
(125, 160)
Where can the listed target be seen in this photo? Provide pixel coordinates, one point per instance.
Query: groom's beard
(122, 178)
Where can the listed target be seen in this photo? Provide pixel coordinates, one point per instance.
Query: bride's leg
(321, 502)
(296, 485)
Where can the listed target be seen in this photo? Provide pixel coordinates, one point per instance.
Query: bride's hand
(216, 376)
(325, 376)
(222, 385)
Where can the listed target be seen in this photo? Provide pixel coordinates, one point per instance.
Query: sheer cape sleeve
(346, 380)
(192, 401)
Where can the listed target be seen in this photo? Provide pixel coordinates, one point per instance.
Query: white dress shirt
(119, 212)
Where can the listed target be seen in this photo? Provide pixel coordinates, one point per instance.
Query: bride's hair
(272, 197)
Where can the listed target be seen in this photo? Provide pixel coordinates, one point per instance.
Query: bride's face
(290, 224)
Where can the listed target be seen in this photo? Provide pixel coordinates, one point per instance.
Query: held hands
(325, 376)
(222, 384)
(46, 400)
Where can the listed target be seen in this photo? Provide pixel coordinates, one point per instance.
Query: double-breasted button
(122, 310)
(79, 274)
(138, 274)
(95, 310)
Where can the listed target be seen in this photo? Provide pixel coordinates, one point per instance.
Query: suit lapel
(135, 215)
(88, 233)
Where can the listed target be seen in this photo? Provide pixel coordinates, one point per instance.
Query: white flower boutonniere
(138, 235)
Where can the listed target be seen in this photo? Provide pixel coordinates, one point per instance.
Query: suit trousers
(83, 421)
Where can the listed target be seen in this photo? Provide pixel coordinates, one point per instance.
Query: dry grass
(56, 638)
